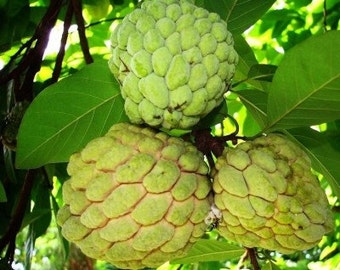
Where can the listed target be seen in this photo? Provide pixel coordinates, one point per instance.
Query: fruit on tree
(136, 197)
(269, 197)
(174, 62)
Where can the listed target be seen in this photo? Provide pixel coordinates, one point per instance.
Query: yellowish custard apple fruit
(136, 197)
(174, 62)
(269, 197)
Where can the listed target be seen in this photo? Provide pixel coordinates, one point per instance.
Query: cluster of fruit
(138, 197)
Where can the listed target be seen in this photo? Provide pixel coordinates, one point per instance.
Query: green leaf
(324, 151)
(270, 266)
(246, 58)
(216, 116)
(3, 197)
(244, 13)
(245, 64)
(240, 14)
(256, 103)
(9, 157)
(42, 202)
(67, 115)
(95, 10)
(34, 216)
(210, 250)
(262, 72)
(306, 86)
(14, 23)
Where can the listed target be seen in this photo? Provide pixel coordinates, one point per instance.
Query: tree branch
(253, 258)
(30, 64)
(61, 53)
(81, 31)
(42, 33)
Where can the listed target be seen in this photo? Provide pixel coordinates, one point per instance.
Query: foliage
(287, 79)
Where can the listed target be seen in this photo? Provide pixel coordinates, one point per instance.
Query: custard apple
(136, 197)
(174, 62)
(269, 197)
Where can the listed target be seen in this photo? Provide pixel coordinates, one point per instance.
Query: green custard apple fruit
(174, 62)
(136, 198)
(269, 197)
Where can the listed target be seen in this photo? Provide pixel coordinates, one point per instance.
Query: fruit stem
(253, 258)
(252, 255)
(209, 144)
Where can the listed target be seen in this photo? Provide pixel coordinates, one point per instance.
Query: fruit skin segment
(136, 197)
(174, 62)
(269, 197)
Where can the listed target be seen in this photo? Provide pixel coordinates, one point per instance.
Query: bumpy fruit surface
(269, 197)
(174, 62)
(136, 197)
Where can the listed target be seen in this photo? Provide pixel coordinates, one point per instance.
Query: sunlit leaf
(277, 20)
(306, 86)
(246, 58)
(95, 10)
(240, 14)
(68, 114)
(250, 127)
(211, 250)
(216, 116)
(256, 103)
(329, 250)
(270, 266)
(324, 150)
(246, 61)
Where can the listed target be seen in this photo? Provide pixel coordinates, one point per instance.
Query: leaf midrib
(273, 123)
(65, 127)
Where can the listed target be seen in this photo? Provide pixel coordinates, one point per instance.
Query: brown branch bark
(81, 31)
(4, 78)
(253, 258)
(61, 52)
(42, 33)
(30, 64)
